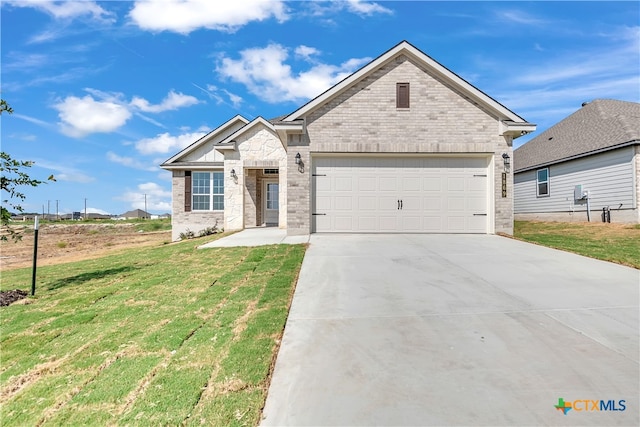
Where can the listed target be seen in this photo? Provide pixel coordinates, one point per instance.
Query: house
(591, 159)
(401, 145)
(135, 214)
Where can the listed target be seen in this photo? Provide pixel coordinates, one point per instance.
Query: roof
(405, 48)
(601, 125)
(136, 213)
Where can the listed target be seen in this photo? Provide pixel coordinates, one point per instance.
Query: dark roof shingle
(598, 125)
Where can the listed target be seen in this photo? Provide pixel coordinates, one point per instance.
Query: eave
(515, 129)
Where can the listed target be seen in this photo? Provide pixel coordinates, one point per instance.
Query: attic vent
(402, 95)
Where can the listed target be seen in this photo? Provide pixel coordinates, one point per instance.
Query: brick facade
(364, 119)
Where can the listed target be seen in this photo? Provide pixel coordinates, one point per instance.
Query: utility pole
(145, 206)
(85, 208)
(48, 209)
(57, 212)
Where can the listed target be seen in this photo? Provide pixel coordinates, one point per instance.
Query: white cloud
(130, 162)
(185, 16)
(82, 116)
(306, 52)
(165, 143)
(265, 73)
(520, 18)
(67, 9)
(358, 7)
(366, 8)
(157, 197)
(173, 101)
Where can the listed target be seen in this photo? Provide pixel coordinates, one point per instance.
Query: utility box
(578, 193)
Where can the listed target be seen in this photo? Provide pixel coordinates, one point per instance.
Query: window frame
(213, 192)
(543, 182)
(403, 103)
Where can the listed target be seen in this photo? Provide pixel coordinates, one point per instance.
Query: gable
(401, 52)
(257, 130)
(366, 114)
(203, 150)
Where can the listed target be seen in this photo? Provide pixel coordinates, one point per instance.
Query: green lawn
(617, 243)
(164, 336)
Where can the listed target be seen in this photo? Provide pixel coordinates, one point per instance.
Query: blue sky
(103, 92)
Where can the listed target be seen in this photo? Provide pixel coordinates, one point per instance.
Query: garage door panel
(343, 184)
(388, 183)
(412, 183)
(367, 183)
(431, 204)
(324, 203)
(343, 203)
(388, 223)
(476, 204)
(343, 223)
(455, 184)
(438, 194)
(477, 224)
(367, 203)
(432, 183)
(388, 203)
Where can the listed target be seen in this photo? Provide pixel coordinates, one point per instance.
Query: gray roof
(600, 125)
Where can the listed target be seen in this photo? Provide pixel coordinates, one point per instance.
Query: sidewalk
(258, 236)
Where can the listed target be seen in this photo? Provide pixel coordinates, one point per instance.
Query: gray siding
(609, 178)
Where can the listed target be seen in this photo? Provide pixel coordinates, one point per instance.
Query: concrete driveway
(456, 330)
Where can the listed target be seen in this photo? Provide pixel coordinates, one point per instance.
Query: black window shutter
(187, 191)
(402, 95)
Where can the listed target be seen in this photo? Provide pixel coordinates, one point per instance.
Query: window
(271, 171)
(208, 191)
(402, 95)
(543, 182)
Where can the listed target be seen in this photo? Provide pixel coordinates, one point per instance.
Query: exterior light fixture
(233, 174)
(507, 162)
(298, 158)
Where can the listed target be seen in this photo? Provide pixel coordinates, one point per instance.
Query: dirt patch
(61, 243)
(9, 297)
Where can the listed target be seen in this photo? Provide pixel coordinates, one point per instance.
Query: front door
(271, 203)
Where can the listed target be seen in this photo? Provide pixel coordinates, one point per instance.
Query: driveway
(455, 330)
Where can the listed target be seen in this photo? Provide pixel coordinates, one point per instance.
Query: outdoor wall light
(507, 162)
(233, 174)
(298, 158)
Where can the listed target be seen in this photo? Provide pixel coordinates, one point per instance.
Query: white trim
(265, 183)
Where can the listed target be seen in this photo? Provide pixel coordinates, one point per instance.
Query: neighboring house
(135, 214)
(401, 145)
(591, 158)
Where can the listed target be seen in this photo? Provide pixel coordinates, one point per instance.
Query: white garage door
(398, 194)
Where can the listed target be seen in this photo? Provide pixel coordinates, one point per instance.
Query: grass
(165, 336)
(609, 242)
